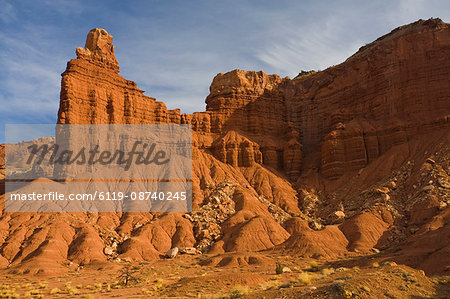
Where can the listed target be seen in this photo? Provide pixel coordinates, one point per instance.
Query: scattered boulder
(381, 190)
(218, 207)
(172, 253)
(385, 197)
(375, 250)
(392, 185)
(337, 217)
(108, 250)
(431, 161)
(315, 225)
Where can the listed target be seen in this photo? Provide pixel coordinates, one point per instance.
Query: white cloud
(316, 46)
(30, 88)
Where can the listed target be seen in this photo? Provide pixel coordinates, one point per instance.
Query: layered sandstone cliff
(92, 91)
(388, 92)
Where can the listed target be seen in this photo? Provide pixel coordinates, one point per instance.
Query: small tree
(128, 274)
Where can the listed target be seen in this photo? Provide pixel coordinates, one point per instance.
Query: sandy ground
(189, 276)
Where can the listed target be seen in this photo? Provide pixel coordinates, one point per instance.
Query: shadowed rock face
(275, 158)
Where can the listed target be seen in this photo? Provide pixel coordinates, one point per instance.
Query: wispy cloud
(7, 11)
(30, 79)
(65, 7)
(306, 47)
(327, 36)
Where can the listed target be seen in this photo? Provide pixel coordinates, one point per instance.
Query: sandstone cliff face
(237, 150)
(92, 91)
(273, 158)
(380, 97)
(352, 113)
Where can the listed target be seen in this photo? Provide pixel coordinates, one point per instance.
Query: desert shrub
(304, 278)
(389, 263)
(6, 293)
(159, 284)
(314, 266)
(270, 284)
(238, 291)
(55, 291)
(33, 294)
(71, 290)
(327, 271)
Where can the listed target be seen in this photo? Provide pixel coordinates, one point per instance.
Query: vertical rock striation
(389, 91)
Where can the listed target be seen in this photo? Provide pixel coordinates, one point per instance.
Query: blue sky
(173, 49)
